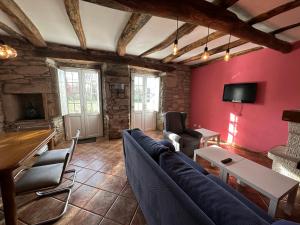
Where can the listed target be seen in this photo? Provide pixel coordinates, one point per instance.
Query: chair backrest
(66, 162)
(174, 122)
(74, 144)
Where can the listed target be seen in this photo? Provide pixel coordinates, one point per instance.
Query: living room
(149, 112)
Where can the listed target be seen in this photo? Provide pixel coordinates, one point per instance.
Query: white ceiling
(103, 26)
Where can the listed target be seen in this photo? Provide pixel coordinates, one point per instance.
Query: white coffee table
(266, 181)
(208, 135)
(214, 154)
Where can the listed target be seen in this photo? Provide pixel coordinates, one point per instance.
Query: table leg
(8, 197)
(273, 207)
(291, 201)
(224, 175)
(195, 156)
(218, 140)
(51, 144)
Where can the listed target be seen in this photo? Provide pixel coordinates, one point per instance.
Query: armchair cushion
(152, 147)
(193, 133)
(174, 123)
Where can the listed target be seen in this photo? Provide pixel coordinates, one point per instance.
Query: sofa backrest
(161, 200)
(174, 122)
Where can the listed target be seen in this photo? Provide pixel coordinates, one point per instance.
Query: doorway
(80, 102)
(145, 101)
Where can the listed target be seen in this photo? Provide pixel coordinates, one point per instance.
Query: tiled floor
(102, 196)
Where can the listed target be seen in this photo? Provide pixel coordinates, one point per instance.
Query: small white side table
(208, 135)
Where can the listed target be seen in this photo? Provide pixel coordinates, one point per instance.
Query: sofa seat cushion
(193, 164)
(219, 205)
(243, 199)
(152, 147)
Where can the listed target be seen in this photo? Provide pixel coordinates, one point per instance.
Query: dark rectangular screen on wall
(241, 92)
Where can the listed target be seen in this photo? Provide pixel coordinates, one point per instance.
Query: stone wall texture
(26, 73)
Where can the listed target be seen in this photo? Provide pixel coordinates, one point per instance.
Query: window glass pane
(152, 94)
(73, 91)
(91, 92)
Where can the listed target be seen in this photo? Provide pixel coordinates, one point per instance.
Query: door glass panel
(73, 92)
(138, 93)
(152, 94)
(91, 86)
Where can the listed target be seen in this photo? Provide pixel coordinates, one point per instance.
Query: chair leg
(69, 190)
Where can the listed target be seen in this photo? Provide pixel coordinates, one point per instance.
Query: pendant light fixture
(227, 54)
(175, 45)
(205, 54)
(7, 52)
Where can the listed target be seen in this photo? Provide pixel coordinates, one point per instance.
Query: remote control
(225, 161)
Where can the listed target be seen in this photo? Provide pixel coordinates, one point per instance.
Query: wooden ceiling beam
(133, 26)
(25, 25)
(274, 12)
(225, 3)
(10, 31)
(76, 53)
(216, 50)
(283, 29)
(194, 45)
(231, 56)
(205, 14)
(217, 34)
(72, 8)
(185, 29)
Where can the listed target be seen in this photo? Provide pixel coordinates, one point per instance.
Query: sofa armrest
(174, 138)
(193, 133)
(284, 222)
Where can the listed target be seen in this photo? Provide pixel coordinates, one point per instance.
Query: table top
(207, 133)
(215, 154)
(15, 147)
(263, 179)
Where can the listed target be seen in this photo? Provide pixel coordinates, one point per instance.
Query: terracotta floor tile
(72, 211)
(122, 210)
(114, 184)
(84, 217)
(84, 174)
(63, 196)
(97, 179)
(127, 191)
(108, 222)
(101, 202)
(82, 195)
(138, 218)
(95, 165)
(40, 210)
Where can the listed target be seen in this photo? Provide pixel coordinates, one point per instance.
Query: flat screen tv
(242, 92)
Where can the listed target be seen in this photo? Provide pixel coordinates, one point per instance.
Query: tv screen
(243, 92)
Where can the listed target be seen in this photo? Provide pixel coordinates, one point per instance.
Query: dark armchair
(184, 139)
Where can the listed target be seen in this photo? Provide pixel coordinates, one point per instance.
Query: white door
(145, 101)
(80, 102)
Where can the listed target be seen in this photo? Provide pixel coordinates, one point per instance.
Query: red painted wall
(258, 126)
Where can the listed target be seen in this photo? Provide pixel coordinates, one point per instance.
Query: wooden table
(15, 148)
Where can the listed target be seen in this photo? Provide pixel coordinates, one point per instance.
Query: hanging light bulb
(7, 52)
(227, 54)
(175, 45)
(205, 54)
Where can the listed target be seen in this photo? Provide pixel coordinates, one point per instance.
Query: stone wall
(175, 93)
(27, 73)
(116, 99)
(31, 75)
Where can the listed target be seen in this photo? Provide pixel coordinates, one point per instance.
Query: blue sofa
(171, 189)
